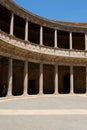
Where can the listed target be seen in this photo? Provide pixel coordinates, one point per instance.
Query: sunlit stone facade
(40, 56)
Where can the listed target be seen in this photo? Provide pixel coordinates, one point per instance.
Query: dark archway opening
(66, 85)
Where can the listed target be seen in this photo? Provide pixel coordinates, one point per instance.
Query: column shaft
(55, 39)
(71, 80)
(41, 35)
(56, 79)
(26, 30)
(41, 79)
(12, 24)
(10, 76)
(86, 79)
(70, 40)
(25, 78)
(86, 42)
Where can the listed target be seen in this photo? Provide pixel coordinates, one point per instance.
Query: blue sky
(63, 10)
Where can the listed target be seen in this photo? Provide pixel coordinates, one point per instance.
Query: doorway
(32, 89)
(66, 83)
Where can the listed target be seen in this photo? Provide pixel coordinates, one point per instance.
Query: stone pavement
(44, 113)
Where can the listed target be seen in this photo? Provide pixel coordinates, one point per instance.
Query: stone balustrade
(45, 50)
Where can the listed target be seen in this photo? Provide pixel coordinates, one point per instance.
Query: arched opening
(66, 83)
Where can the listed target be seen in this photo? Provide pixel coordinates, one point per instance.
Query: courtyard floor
(50, 112)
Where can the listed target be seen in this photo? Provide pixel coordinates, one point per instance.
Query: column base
(56, 93)
(71, 93)
(25, 94)
(41, 94)
(9, 96)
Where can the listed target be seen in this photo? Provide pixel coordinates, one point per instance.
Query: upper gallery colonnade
(40, 34)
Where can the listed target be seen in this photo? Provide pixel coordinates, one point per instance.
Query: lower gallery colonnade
(28, 78)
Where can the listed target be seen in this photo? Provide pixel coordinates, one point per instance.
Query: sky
(62, 10)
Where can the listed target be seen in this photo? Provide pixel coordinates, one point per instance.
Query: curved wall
(54, 47)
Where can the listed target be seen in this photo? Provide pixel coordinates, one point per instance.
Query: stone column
(70, 40)
(86, 79)
(25, 78)
(12, 24)
(41, 35)
(26, 30)
(56, 79)
(41, 79)
(10, 77)
(55, 39)
(71, 80)
(86, 42)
